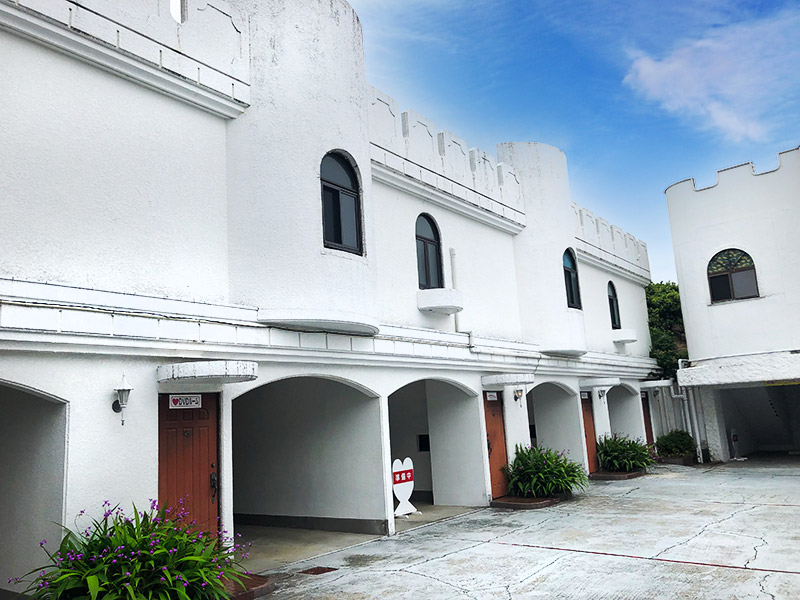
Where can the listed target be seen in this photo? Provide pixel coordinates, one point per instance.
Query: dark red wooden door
(188, 460)
(648, 424)
(496, 442)
(588, 431)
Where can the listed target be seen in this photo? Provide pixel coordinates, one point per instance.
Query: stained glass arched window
(732, 276)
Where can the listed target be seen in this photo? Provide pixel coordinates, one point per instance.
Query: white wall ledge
(623, 336)
(445, 301)
(217, 372)
(187, 80)
(773, 368)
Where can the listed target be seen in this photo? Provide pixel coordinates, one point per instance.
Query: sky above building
(639, 94)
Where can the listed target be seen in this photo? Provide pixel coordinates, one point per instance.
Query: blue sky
(638, 93)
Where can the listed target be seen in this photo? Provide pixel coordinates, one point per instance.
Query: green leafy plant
(620, 453)
(542, 473)
(667, 335)
(153, 555)
(675, 443)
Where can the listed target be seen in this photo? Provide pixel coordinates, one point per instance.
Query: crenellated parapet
(410, 145)
(597, 238)
(203, 59)
(732, 178)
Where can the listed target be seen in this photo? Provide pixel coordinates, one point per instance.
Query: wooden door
(648, 423)
(187, 456)
(588, 431)
(496, 442)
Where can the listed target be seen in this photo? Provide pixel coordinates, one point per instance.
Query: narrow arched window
(429, 254)
(732, 276)
(571, 280)
(613, 306)
(341, 210)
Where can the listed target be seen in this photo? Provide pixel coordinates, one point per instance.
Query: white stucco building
(298, 281)
(738, 267)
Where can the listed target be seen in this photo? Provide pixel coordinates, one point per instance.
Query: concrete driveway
(724, 532)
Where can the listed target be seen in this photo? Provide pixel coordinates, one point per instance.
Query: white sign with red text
(403, 485)
(185, 401)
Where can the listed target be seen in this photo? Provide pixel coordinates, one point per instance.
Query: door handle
(489, 445)
(213, 483)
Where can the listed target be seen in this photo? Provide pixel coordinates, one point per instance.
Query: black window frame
(613, 306)
(429, 245)
(337, 190)
(726, 275)
(571, 282)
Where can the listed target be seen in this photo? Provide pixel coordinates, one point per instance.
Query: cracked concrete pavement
(725, 532)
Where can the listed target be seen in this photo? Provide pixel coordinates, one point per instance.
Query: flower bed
(152, 554)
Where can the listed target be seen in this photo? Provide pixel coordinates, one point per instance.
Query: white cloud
(738, 80)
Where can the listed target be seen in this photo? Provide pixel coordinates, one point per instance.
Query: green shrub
(152, 556)
(675, 443)
(541, 473)
(619, 453)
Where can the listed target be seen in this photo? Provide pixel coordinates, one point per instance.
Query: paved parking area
(725, 532)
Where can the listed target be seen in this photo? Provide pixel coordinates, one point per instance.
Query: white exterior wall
(754, 213)
(597, 316)
(105, 460)
(308, 99)
(126, 183)
(490, 303)
(539, 249)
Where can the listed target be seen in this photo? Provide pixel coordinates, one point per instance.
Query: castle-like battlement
(739, 174)
(207, 53)
(597, 237)
(410, 144)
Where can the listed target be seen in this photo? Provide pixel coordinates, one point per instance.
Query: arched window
(571, 280)
(341, 210)
(429, 254)
(732, 276)
(613, 306)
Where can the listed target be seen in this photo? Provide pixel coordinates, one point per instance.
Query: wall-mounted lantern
(123, 392)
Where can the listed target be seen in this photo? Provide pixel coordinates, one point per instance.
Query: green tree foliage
(667, 335)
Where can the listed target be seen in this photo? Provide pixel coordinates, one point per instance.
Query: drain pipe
(693, 413)
(453, 281)
(689, 411)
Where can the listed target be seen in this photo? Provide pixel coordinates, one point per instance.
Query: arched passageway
(554, 416)
(625, 412)
(32, 454)
(307, 454)
(437, 425)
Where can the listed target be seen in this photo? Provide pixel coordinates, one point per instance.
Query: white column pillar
(515, 416)
(715, 425)
(386, 459)
(602, 421)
